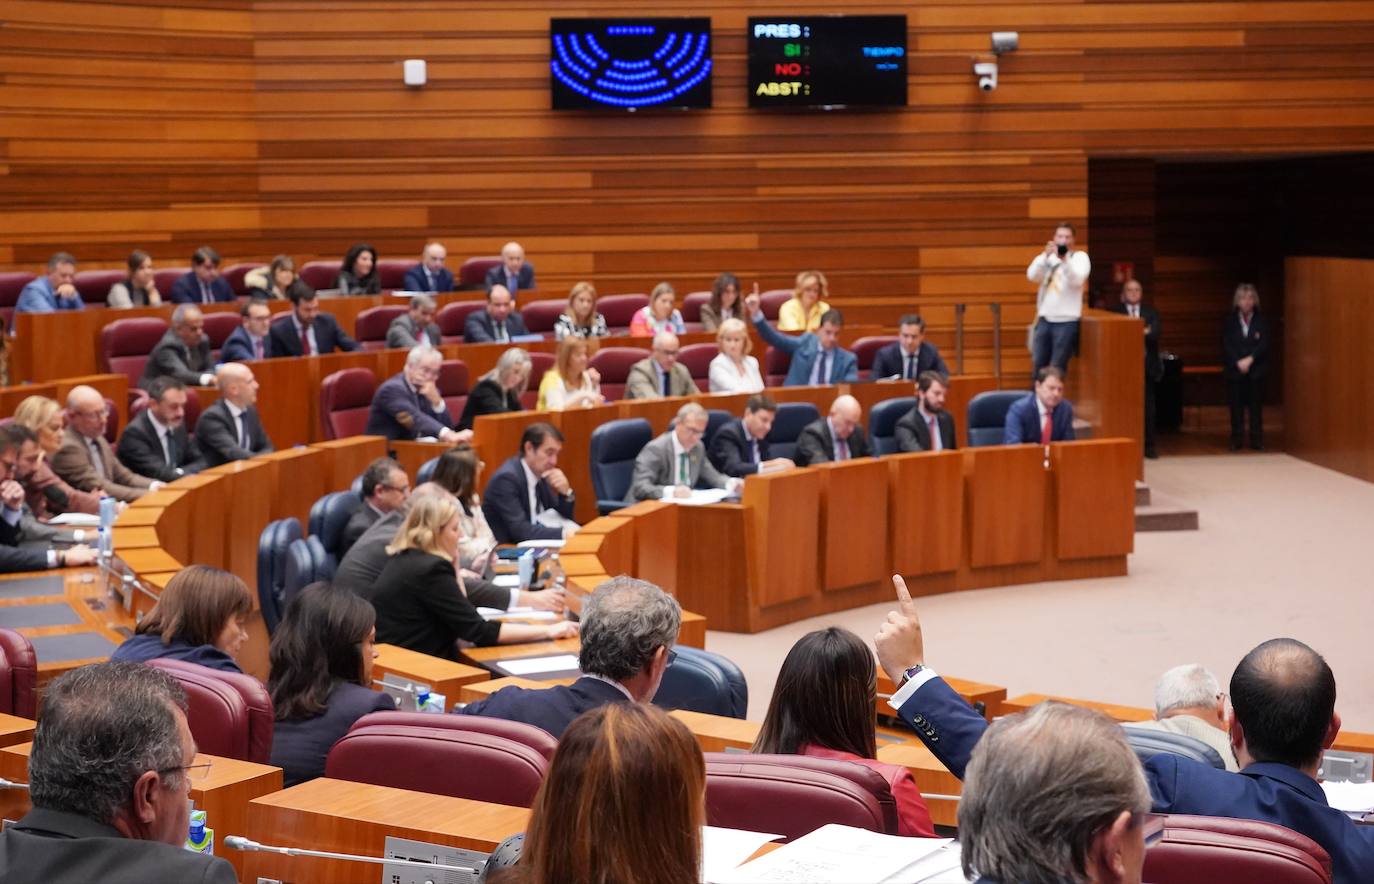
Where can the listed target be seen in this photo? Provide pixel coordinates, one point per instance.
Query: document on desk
(701, 497)
(941, 867)
(539, 665)
(76, 520)
(836, 854)
(722, 850)
(1351, 798)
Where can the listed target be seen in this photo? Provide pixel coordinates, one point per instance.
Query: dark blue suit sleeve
(475, 331)
(851, 371)
(502, 505)
(1011, 430)
(1066, 433)
(182, 292)
(395, 400)
(415, 280)
(341, 339)
(883, 364)
(937, 362)
(235, 349)
(945, 723)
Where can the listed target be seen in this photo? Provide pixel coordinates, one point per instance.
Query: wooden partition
(1107, 380)
(925, 500)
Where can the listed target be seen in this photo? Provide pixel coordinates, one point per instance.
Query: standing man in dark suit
(430, 275)
(910, 356)
(309, 332)
(183, 353)
(203, 285)
(675, 463)
(529, 484)
(927, 427)
(498, 323)
(837, 437)
(1131, 305)
(230, 429)
(817, 357)
(1043, 416)
(156, 443)
(514, 272)
(385, 490)
(416, 326)
(119, 814)
(408, 405)
(740, 448)
(629, 627)
(252, 340)
(1245, 357)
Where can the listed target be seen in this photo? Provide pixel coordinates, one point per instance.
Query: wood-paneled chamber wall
(283, 126)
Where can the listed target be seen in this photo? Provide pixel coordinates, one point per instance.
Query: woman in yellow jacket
(803, 313)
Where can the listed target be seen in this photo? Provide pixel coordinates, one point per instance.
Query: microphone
(11, 784)
(238, 842)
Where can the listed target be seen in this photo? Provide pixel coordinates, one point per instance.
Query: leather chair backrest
(882, 423)
(219, 326)
(321, 274)
(12, 282)
(787, 426)
(329, 516)
(126, 343)
(18, 675)
(614, 447)
(540, 316)
(1219, 850)
(620, 309)
(987, 416)
(771, 301)
(234, 275)
(715, 419)
(452, 316)
(536, 738)
(111, 422)
(540, 363)
(426, 471)
(1147, 743)
(345, 399)
(439, 760)
(794, 795)
(167, 277)
(473, 273)
(700, 681)
(371, 325)
(94, 285)
(691, 305)
(453, 385)
(230, 713)
(697, 358)
(775, 365)
(272, 546)
(866, 348)
(391, 272)
(614, 364)
(306, 562)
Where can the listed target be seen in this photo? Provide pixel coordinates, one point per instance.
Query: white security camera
(986, 72)
(1005, 41)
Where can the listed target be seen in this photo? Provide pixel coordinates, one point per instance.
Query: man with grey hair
(183, 353)
(1189, 701)
(416, 325)
(660, 374)
(408, 405)
(110, 776)
(54, 292)
(628, 630)
(675, 463)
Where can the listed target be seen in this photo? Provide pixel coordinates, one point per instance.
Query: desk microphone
(11, 784)
(238, 842)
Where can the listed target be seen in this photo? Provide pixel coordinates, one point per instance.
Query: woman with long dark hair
(459, 472)
(358, 273)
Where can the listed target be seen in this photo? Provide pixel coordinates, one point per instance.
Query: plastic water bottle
(525, 569)
(429, 701)
(105, 543)
(201, 839)
(555, 577)
(109, 508)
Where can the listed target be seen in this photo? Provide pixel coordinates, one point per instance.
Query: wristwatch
(909, 674)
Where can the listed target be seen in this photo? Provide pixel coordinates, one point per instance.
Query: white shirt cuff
(912, 686)
(52, 558)
(668, 491)
(206, 380)
(514, 599)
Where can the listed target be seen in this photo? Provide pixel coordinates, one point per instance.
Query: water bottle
(105, 544)
(555, 577)
(201, 839)
(525, 569)
(109, 508)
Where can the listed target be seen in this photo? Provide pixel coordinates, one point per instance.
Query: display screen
(827, 61)
(630, 63)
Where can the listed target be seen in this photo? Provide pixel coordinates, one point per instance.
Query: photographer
(1061, 273)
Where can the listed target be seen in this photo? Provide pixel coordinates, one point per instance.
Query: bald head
(237, 384)
(665, 349)
(513, 257)
(845, 414)
(86, 411)
(82, 395)
(1284, 695)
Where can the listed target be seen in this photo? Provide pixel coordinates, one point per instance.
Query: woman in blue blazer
(199, 618)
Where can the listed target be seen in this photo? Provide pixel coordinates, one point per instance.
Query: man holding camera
(1061, 273)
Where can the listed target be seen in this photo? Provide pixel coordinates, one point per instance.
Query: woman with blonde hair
(660, 316)
(45, 492)
(733, 370)
(499, 390)
(570, 383)
(199, 618)
(421, 603)
(804, 311)
(581, 319)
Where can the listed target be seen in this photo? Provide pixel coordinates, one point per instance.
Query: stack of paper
(724, 849)
(1356, 799)
(701, 497)
(837, 854)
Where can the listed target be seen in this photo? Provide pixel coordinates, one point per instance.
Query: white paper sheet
(836, 854)
(724, 849)
(521, 614)
(506, 581)
(543, 544)
(79, 520)
(940, 867)
(1350, 797)
(701, 497)
(539, 665)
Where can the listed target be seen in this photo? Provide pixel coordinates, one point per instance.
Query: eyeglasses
(672, 655)
(196, 772)
(403, 489)
(1152, 827)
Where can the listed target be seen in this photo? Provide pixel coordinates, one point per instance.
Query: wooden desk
(444, 676)
(297, 478)
(205, 504)
(497, 438)
(480, 690)
(854, 524)
(1094, 490)
(345, 459)
(14, 730)
(925, 501)
(343, 817)
(413, 455)
(1111, 710)
(1004, 514)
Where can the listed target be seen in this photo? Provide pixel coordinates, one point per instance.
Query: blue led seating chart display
(628, 64)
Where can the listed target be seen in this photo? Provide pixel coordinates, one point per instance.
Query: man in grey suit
(183, 353)
(661, 374)
(416, 326)
(675, 463)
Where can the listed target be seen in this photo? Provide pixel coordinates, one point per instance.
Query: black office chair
(328, 519)
(1148, 743)
(791, 418)
(306, 562)
(614, 447)
(272, 546)
(700, 681)
(882, 423)
(987, 416)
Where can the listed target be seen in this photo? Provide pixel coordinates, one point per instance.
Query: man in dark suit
(740, 448)
(498, 323)
(230, 429)
(910, 356)
(118, 815)
(308, 331)
(408, 405)
(1043, 416)
(927, 427)
(385, 490)
(19, 455)
(514, 272)
(840, 436)
(203, 285)
(675, 463)
(817, 357)
(1130, 305)
(628, 630)
(183, 353)
(1283, 697)
(526, 486)
(156, 443)
(252, 340)
(430, 275)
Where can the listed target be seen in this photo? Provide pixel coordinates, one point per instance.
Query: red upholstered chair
(392, 271)
(371, 325)
(141, 404)
(320, 274)
(234, 274)
(1206, 850)
(18, 675)
(540, 363)
(126, 343)
(796, 794)
(94, 285)
(458, 755)
(620, 309)
(691, 305)
(11, 284)
(453, 384)
(865, 349)
(540, 316)
(775, 365)
(771, 301)
(230, 713)
(218, 328)
(345, 397)
(614, 364)
(473, 273)
(451, 316)
(166, 278)
(697, 358)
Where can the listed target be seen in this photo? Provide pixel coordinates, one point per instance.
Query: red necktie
(257, 348)
(1047, 428)
(305, 341)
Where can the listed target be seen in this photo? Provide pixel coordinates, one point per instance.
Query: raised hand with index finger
(899, 641)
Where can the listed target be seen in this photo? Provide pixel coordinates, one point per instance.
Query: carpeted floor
(1285, 549)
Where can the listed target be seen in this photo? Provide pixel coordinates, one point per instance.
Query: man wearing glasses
(675, 463)
(385, 490)
(409, 405)
(110, 779)
(86, 461)
(661, 374)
